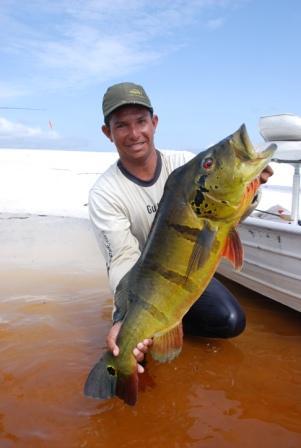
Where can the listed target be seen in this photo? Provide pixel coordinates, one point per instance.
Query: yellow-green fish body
(203, 202)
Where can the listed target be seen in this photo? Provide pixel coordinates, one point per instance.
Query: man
(123, 203)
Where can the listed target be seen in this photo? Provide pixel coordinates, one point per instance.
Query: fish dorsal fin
(167, 345)
(201, 249)
(233, 250)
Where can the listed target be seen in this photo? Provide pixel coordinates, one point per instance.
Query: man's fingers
(142, 347)
(139, 355)
(111, 338)
(115, 351)
(140, 368)
(139, 351)
(112, 346)
(265, 174)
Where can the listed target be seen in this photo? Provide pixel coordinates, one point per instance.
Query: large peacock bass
(194, 227)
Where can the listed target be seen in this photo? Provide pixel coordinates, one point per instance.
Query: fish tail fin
(104, 381)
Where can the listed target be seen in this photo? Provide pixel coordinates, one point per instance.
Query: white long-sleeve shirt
(122, 209)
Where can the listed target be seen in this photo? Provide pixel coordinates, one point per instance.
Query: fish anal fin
(167, 345)
(127, 387)
(233, 250)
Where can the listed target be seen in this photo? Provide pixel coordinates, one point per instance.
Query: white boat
(282, 127)
(271, 236)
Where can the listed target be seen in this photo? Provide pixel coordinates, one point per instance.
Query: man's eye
(207, 163)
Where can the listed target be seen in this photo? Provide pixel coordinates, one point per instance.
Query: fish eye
(207, 163)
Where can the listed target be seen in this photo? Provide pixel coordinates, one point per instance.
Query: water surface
(242, 392)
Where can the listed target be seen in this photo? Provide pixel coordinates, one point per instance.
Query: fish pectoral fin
(167, 345)
(201, 248)
(233, 250)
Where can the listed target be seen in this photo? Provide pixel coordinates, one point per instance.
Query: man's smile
(135, 145)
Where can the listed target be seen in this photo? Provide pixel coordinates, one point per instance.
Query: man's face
(132, 131)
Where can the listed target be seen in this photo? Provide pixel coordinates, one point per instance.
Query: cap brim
(127, 103)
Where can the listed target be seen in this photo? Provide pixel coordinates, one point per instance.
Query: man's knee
(215, 314)
(236, 324)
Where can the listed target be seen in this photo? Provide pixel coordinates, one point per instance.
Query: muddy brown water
(243, 392)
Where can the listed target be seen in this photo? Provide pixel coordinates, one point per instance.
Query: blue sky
(208, 66)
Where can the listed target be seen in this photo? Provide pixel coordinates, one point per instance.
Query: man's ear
(107, 131)
(155, 120)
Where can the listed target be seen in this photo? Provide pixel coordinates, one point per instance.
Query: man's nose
(134, 132)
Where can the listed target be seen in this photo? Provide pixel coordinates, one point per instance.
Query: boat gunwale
(271, 225)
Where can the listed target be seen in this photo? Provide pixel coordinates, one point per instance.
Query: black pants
(216, 314)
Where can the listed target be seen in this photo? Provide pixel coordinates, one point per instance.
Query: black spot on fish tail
(101, 382)
(111, 370)
(174, 277)
(104, 382)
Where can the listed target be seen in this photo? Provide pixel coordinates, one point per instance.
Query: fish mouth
(268, 153)
(251, 162)
(244, 150)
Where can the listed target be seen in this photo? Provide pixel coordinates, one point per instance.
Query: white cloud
(84, 60)
(13, 130)
(71, 43)
(214, 24)
(8, 91)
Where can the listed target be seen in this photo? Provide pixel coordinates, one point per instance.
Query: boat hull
(272, 260)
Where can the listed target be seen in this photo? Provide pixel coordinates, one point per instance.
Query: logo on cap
(136, 92)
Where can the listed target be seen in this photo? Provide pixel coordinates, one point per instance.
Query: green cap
(123, 94)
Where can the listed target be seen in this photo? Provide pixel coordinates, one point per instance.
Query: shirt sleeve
(113, 233)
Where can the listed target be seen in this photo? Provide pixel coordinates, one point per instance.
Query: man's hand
(265, 174)
(139, 351)
(111, 338)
